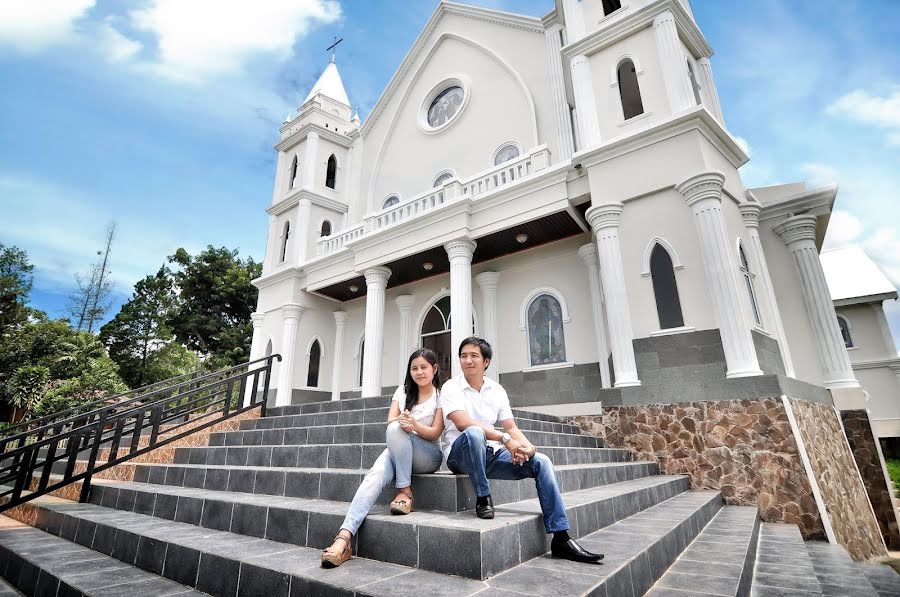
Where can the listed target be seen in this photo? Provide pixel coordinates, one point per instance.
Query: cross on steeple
(333, 46)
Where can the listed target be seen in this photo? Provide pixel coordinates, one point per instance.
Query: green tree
(139, 332)
(78, 353)
(215, 300)
(26, 386)
(15, 284)
(39, 342)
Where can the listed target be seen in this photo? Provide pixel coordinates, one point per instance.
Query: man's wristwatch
(504, 439)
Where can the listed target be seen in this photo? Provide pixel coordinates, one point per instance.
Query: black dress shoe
(486, 510)
(570, 550)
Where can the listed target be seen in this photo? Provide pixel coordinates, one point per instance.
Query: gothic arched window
(610, 6)
(331, 172)
(665, 289)
(285, 235)
(391, 200)
(435, 332)
(546, 340)
(845, 331)
(293, 179)
(694, 84)
(315, 358)
(326, 229)
(748, 280)
(629, 90)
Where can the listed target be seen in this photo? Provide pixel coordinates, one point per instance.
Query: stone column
(405, 304)
(799, 234)
(703, 194)
(487, 282)
(588, 254)
(708, 84)
(672, 62)
(604, 220)
(310, 160)
(301, 234)
(574, 17)
(460, 253)
(585, 102)
(256, 352)
(558, 87)
(290, 317)
(340, 324)
(766, 293)
(376, 282)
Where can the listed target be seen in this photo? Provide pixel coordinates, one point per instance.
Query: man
(472, 406)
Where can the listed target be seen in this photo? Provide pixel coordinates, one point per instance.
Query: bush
(26, 385)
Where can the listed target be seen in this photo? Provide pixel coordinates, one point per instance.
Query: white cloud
(202, 38)
(818, 175)
(31, 26)
(843, 229)
(884, 248)
(115, 46)
(864, 107)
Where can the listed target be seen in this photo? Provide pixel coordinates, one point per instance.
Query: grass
(893, 467)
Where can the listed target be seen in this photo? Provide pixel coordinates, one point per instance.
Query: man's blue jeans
(471, 455)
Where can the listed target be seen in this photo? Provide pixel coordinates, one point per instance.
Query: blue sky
(160, 115)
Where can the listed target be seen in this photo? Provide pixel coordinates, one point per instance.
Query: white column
(340, 324)
(376, 282)
(558, 89)
(487, 282)
(300, 236)
(574, 17)
(348, 172)
(588, 254)
(765, 290)
(703, 194)
(256, 352)
(604, 220)
(404, 304)
(271, 258)
(460, 253)
(708, 84)
(672, 62)
(585, 102)
(290, 317)
(310, 160)
(799, 234)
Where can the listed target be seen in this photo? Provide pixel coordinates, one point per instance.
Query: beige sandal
(402, 505)
(332, 559)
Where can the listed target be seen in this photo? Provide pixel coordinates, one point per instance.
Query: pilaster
(672, 62)
(708, 82)
(256, 352)
(574, 16)
(558, 89)
(460, 253)
(588, 254)
(301, 235)
(376, 283)
(340, 325)
(290, 318)
(311, 159)
(487, 282)
(404, 303)
(585, 102)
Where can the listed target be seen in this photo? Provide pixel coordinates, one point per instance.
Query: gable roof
(854, 278)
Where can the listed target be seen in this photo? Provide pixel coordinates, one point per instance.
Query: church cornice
(473, 12)
(301, 194)
(300, 134)
(278, 276)
(817, 202)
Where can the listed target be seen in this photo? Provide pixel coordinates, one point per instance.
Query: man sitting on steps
(472, 405)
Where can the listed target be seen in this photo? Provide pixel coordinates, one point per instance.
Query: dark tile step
(367, 433)
(228, 564)
(445, 492)
(39, 563)
(720, 560)
(783, 565)
(354, 455)
(415, 540)
(838, 574)
(369, 403)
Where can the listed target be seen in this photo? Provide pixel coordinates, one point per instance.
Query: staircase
(248, 514)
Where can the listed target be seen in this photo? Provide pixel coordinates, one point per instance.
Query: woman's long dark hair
(409, 384)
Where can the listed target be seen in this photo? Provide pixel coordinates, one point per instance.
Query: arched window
(629, 90)
(507, 152)
(285, 235)
(610, 6)
(326, 228)
(362, 353)
(694, 84)
(845, 331)
(442, 178)
(665, 289)
(748, 280)
(315, 357)
(435, 332)
(546, 340)
(391, 200)
(293, 179)
(331, 171)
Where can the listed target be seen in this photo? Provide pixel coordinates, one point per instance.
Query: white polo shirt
(488, 406)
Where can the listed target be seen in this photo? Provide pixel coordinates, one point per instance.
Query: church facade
(565, 187)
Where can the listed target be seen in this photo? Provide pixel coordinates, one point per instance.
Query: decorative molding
(340, 318)
(605, 215)
(460, 248)
(503, 146)
(292, 311)
(257, 318)
(535, 293)
(797, 229)
(648, 251)
(298, 195)
(816, 202)
(449, 171)
(359, 343)
(685, 329)
(457, 80)
(300, 135)
(562, 365)
(309, 346)
(638, 70)
(707, 185)
(377, 276)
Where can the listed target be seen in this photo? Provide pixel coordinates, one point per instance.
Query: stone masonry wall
(842, 489)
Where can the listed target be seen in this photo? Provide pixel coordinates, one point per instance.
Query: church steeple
(330, 85)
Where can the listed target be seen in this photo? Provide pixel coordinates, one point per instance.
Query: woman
(415, 422)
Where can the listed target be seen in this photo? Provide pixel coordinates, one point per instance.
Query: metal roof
(853, 277)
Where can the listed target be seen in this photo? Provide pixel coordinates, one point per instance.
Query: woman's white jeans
(406, 453)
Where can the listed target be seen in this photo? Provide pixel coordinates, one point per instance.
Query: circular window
(445, 106)
(392, 200)
(506, 153)
(442, 178)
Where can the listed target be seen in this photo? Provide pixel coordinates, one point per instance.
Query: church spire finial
(333, 46)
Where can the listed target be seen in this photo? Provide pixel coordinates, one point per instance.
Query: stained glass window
(506, 153)
(445, 106)
(392, 200)
(546, 341)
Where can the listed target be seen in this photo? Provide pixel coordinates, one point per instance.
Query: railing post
(92, 460)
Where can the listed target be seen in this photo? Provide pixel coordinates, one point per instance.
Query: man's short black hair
(483, 345)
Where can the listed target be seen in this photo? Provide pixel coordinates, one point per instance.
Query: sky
(161, 115)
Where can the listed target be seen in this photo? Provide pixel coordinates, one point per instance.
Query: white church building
(565, 187)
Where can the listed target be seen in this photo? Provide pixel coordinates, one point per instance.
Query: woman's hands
(407, 422)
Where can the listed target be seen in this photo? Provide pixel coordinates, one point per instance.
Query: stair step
(783, 565)
(838, 574)
(370, 403)
(39, 563)
(445, 492)
(719, 561)
(883, 579)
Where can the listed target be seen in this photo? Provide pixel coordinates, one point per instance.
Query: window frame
(656, 282)
(331, 175)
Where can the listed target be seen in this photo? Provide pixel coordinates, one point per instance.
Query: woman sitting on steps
(412, 447)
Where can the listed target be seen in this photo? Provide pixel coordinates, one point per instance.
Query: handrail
(26, 469)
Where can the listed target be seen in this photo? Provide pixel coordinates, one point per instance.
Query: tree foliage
(15, 284)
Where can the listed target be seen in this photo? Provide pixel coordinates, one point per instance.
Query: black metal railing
(29, 460)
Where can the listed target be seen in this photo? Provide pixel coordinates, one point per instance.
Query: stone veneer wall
(866, 453)
(843, 492)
